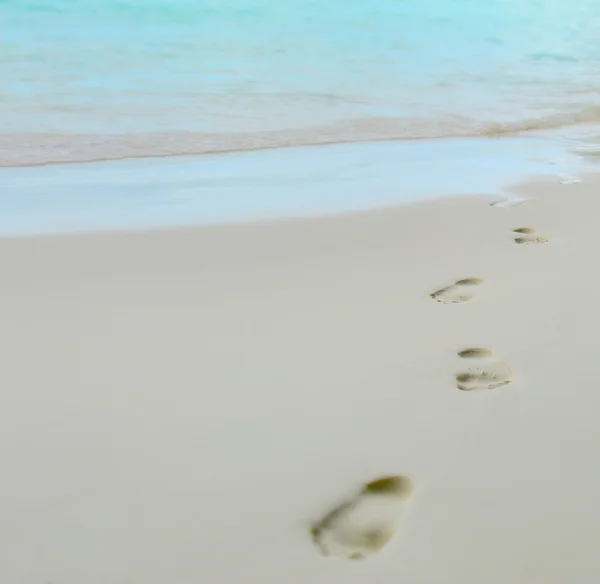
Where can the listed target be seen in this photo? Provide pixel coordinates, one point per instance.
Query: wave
(587, 115)
(36, 149)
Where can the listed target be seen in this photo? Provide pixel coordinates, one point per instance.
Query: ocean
(85, 80)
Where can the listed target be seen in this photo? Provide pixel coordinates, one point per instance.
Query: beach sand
(180, 407)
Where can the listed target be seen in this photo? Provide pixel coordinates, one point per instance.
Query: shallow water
(100, 79)
(287, 182)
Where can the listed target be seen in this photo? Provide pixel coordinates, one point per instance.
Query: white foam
(270, 184)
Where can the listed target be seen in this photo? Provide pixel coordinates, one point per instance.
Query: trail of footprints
(362, 526)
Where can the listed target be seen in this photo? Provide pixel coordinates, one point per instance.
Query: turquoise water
(102, 79)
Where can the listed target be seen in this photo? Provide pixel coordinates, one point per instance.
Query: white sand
(179, 407)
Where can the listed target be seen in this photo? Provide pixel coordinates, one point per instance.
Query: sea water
(104, 79)
(415, 98)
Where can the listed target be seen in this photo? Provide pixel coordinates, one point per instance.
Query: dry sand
(179, 407)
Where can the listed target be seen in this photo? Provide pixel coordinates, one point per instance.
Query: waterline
(293, 182)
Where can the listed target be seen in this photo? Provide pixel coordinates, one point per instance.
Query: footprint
(568, 179)
(486, 372)
(507, 203)
(530, 237)
(363, 526)
(460, 291)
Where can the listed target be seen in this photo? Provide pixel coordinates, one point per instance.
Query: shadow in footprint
(460, 291)
(485, 371)
(528, 236)
(507, 203)
(363, 526)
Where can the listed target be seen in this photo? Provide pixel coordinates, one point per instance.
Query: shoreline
(267, 185)
(267, 140)
(554, 126)
(250, 224)
(169, 393)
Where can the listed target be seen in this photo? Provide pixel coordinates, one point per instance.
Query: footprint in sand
(568, 179)
(460, 291)
(528, 236)
(485, 372)
(363, 526)
(507, 203)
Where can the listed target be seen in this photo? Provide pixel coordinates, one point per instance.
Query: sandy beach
(180, 406)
